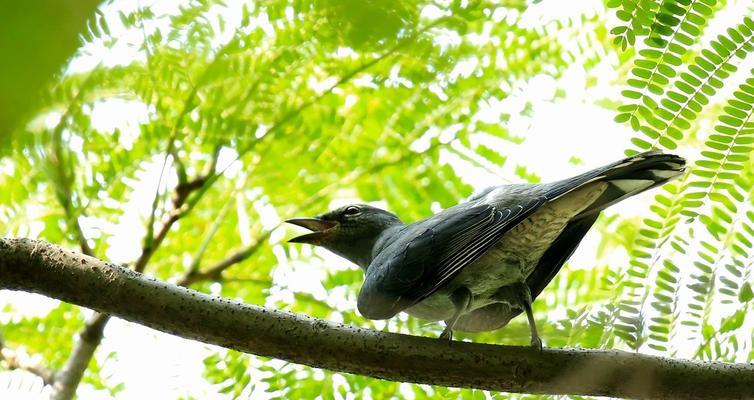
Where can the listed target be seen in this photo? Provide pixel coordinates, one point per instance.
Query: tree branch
(40, 267)
(67, 380)
(15, 359)
(215, 272)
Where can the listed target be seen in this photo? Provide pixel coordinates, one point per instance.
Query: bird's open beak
(321, 230)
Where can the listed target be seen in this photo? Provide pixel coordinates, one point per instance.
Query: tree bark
(40, 267)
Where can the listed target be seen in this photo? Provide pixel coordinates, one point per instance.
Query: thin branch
(15, 359)
(210, 233)
(43, 268)
(181, 194)
(67, 380)
(215, 271)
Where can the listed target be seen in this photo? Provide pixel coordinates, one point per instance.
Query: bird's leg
(461, 299)
(524, 296)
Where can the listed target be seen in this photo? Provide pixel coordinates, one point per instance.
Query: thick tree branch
(40, 267)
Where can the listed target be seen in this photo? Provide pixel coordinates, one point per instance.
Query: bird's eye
(351, 211)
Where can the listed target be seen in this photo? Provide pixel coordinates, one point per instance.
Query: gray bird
(480, 263)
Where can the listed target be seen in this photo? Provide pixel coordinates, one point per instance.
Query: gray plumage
(482, 262)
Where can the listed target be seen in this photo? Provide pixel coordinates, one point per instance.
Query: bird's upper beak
(321, 230)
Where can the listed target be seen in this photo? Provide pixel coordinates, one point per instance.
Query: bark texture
(40, 267)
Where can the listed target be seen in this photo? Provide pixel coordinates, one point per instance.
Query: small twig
(215, 272)
(15, 359)
(149, 250)
(194, 267)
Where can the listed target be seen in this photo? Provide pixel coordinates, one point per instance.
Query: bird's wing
(559, 251)
(546, 269)
(434, 256)
(407, 272)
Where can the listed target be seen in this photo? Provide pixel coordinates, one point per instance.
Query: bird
(482, 262)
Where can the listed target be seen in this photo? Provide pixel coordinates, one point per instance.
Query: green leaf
(746, 293)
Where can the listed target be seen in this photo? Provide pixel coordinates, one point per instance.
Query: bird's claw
(447, 334)
(536, 343)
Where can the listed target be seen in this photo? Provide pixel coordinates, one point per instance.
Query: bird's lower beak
(321, 230)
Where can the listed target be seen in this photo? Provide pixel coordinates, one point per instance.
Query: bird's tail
(634, 175)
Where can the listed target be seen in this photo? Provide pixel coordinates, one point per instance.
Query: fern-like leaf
(638, 16)
(727, 152)
(646, 255)
(676, 27)
(663, 122)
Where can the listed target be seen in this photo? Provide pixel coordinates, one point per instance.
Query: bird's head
(349, 231)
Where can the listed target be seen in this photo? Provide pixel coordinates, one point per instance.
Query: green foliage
(664, 117)
(371, 24)
(694, 256)
(636, 16)
(36, 333)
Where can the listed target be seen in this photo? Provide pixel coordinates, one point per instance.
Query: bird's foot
(536, 343)
(447, 334)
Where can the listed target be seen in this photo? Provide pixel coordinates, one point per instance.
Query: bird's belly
(436, 307)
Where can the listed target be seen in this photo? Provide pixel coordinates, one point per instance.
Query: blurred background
(174, 137)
